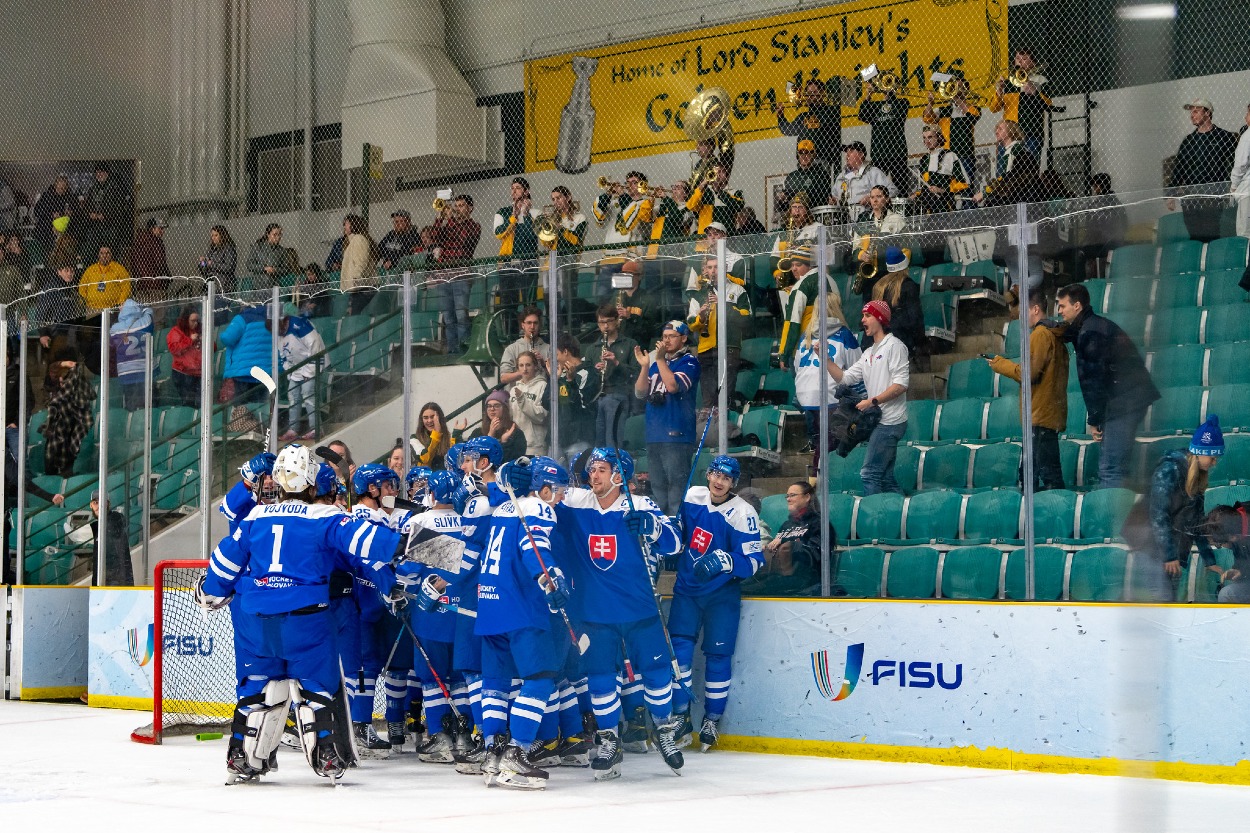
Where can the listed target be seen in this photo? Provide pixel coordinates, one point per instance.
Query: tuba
(707, 119)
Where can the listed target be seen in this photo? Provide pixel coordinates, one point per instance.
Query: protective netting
(193, 685)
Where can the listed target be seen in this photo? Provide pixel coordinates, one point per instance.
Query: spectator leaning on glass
(1048, 365)
(186, 347)
(667, 383)
(884, 370)
(1114, 381)
(529, 403)
(1170, 519)
(128, 341)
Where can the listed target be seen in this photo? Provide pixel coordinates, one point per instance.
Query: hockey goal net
(193, 674)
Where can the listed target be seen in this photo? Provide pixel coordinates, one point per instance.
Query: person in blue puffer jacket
(248, 344)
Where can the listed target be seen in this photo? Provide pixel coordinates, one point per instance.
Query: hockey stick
(694, 464)
(271, 386)
(441, 685)
(582, 643)
(659, 612)
(336, 461)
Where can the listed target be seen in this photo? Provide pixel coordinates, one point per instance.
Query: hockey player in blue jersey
(283, 554)
(520, 591)
(602, 541)
(255, 486)
(722, 547)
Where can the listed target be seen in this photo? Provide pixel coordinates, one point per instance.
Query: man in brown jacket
(1049, 366)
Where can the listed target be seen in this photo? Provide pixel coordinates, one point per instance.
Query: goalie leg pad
(259, 721)
(316, 715)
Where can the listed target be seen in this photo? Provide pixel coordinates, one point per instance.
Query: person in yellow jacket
(105, 283)
(701, 294)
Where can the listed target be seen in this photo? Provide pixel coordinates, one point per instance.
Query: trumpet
(1018, 77)
(606, 184)
(793, 98)
(439, 205)
(547, 227)
(656, 193)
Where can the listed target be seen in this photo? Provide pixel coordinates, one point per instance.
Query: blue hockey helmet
(726, 465)
(545, 471)
(327, 481)
(442, 485)
(452, 460)
(260, 464)
(372, 474)
(618, 458)
(416, 481)
(488, 447)
(577, 467)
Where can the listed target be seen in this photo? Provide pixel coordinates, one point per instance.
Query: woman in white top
(842, 350)
(529, 403)
(879, 223)
(359, 257)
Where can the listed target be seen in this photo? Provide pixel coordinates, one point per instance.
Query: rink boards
(1059, 687)
(1072, 688)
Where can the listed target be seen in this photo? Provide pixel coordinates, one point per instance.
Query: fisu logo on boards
(141, 649)
(187, 645)
(909, 673)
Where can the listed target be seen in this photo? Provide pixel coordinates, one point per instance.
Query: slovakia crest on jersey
(603, 551)
(700, 540)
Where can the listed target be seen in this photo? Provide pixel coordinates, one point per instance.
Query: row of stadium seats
(1178, 257)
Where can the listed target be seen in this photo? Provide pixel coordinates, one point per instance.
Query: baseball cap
(1204, 103)
(806, 144)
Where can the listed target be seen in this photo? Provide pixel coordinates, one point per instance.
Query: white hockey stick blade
(443, 552)
(583, 643)
(264, 378)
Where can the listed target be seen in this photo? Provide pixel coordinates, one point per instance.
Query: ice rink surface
(70, 766)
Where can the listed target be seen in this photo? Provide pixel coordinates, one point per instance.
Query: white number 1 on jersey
(275, 565)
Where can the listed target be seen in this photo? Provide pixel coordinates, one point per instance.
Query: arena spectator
(300, 343)
(1170, 520)
(529, 403)
(957, 119)
(403, 240)
(457, 235)
(1239, 180)
(14, 375)
(267, 260)
(842, 349)
(613, 357)
(1048, 365)
(715, 201)
(104, 284)
(496, 422)
(902, 293)
(1206, 155)
(64, 250)
(702, 318)
(107, 212)
(57, 300)
(1114, 381)
(433, 435)
(10, 494)
(640, 311)
(149, 262)
(183, 341)
(530, 342)
(395, 459)
(128, 341)
(248, 344)
(858, 179)
(668, 384)
(793, 567)
(70, 412)
(118, 569)
(579, 384)
(1229, 526)
(359, 255)
(883, 369)
(745, 222)
(221, 259)
(334, 260)
(57, 201)
(348, 467)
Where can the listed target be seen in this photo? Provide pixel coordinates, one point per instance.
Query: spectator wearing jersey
(128, 339)
(300, 342)
(884, 370)
(668, 383)
(842, 349)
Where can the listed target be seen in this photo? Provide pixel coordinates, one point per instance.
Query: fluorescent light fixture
(1147, 11)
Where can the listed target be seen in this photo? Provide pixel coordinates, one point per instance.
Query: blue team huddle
(508, 611)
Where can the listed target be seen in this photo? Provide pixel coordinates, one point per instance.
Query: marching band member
(958, 122)
(1026, 106)
(715, 201)
(858, 180)
(942, 175)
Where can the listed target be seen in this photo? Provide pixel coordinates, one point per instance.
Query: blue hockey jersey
(283, 554)
(731, 526)
(440, 626)
(508, 595)
(237, 504)
(475, 529)
(610, 575)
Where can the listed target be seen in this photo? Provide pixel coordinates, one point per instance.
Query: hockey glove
(516, 475)
(643, 524)
(711, 564)
(460, 498)
(257, 467)
(408, 577)
(397, 601)
(557, 590)
(672, 561)
(431, 595)
(208, 601)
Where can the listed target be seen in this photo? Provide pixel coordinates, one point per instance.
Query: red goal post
(193, 674)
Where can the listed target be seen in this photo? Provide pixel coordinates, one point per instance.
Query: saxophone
(867, 269)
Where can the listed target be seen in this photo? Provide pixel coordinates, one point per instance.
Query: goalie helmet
(726, 465)
(295, 470)
(617, 458)
(372, 474)
(416, 482)
(545, 471)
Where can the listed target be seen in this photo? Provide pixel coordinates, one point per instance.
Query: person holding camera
(668, 385)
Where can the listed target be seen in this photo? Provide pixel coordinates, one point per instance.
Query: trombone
(946, 91)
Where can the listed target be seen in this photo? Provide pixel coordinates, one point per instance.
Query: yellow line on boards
(992, 758)
(62, 692)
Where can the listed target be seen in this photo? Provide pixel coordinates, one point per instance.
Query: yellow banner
(628, 100)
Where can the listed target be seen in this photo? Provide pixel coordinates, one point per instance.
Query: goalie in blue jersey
(610, 542)
(722, 547)
(283, 554)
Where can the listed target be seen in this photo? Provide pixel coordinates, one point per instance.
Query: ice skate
(436, 750)
(709, 733)
(491, 761)
(544, 756)
(369, 744)
(396, 734)
(238, 771)
(666, 742)
(574, 751)
(469, 762)
(685, 732)
(634, 732)
(517, 772)
(606, 764)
